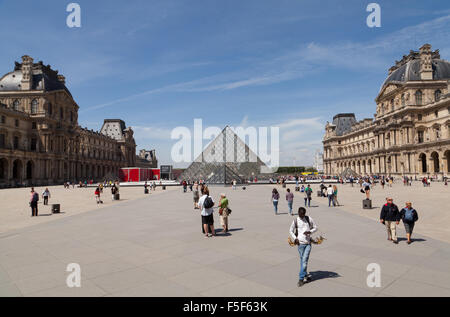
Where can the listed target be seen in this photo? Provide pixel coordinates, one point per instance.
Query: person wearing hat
(409, 216)
(390, 217)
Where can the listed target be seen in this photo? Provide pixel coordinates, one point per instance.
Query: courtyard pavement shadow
(319, 275)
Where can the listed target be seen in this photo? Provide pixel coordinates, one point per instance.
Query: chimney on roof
(426, 68)
(27, 74)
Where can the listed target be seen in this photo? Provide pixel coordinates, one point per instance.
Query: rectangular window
(3, 120)
(33, 125)
(420, 136)
(16, 123)
(33, 144)
(16, 143)
(419, 117)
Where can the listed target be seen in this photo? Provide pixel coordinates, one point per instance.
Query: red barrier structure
(138, 174)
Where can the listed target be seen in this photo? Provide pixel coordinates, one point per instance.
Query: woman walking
(409, 216)
(223, 212)
(275, 198)
(335, 192)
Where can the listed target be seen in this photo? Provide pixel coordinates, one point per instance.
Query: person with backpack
(34, 198)
(301, 229)
(390, 217)
(290, 200)
(275, 198)
(206, 204)
(409, 216)
(308, 195)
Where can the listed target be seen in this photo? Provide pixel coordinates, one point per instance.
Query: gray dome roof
(411, 71)
(11, 82)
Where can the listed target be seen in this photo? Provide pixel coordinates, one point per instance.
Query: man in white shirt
(300, 232)
(207, 213)
(330, 194)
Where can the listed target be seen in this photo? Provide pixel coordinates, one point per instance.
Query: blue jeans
(304, 250)
(308, 199)
(275, 206)
(330, 200)
(290, 207)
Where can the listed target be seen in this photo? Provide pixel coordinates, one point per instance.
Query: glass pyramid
(225, 159)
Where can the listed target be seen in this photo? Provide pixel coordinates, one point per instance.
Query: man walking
(301, 229)
(290, 200)
(390, 217)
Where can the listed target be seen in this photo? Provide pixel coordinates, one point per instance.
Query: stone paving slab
(153, 246)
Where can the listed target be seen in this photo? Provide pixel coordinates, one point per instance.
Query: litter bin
(56, 208)
(367, 204)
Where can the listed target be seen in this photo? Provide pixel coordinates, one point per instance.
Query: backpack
(208, 203)
(409, 215)
(35, 197)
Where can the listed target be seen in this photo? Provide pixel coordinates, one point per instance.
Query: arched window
(16, 105)
(418, 97)
(61, 113)
(437, 95)
(34, 106)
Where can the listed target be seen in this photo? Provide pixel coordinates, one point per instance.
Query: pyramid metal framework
(225, 159)
(348, 172)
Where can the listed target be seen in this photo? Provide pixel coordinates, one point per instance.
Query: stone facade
(410, 132)
(40, 140)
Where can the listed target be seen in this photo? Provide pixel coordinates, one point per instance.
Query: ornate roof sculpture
(225, 159)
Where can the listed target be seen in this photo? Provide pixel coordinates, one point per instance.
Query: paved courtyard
(153, 246)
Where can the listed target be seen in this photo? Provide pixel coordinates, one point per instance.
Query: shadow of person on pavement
(318, 275)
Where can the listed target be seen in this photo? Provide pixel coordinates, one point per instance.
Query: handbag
(290, 241)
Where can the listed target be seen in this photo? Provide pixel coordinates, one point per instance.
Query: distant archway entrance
(435, 158)
(423, 162)
(29, 170)
(17, 169)
(3, 168)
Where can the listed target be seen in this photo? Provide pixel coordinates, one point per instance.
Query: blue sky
(160, 64)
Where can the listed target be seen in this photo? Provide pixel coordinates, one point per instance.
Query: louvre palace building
(410, 132)
(40, 140)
